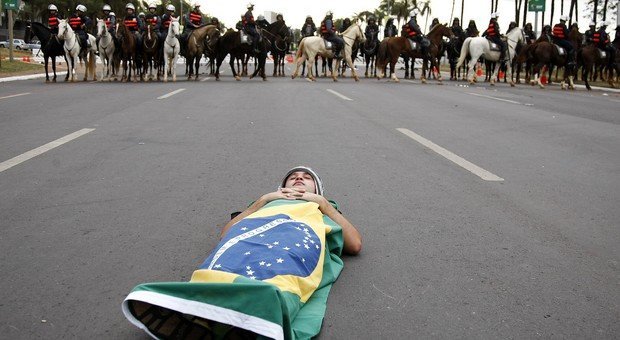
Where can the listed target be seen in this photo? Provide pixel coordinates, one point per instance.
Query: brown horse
(545, 53)
(390, 50)
(150, 53)
(230, 43)
(279, 36)
(129, 55)
(196, 43)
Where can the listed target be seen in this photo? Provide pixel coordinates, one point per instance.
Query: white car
(18, 44)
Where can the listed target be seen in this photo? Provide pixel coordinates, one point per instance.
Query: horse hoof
(512, 84)
(541, 86)
(165, 80)
(358, 79)
(237, 78)
(423, 81)
(264, 78)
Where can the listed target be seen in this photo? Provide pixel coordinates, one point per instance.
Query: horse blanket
(271, 274)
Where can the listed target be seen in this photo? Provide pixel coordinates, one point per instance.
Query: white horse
(171, 50)
(72, 50)
(310, 47)
(479, 46)
(106, 50)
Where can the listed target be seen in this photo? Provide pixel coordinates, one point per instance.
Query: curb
(26, 77)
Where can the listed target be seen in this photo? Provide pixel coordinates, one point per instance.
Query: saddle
(416, 47)
(561, 50)
(494, 47)
(245, 38)
(328, 44)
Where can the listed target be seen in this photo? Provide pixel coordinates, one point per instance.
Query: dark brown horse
(230, 43)
(545, 53)
(391, 49)
(129, 54)
(280, 38)
(150, 54)
(51, 47)
(196, 43)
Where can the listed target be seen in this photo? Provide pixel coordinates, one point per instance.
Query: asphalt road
(446, 254)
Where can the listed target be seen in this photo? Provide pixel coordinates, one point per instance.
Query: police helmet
(81, 8)
(170, 8)
(494, 15)
(152, 5)
(107, 8)
(564, 18)
(52, 7)
(130, 6)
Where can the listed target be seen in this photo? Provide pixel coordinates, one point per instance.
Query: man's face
(129, 11)
(152, 10)
(301, 179)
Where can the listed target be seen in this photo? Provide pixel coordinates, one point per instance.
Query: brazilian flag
(270, 276)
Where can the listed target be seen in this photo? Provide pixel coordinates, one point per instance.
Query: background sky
(295, 11)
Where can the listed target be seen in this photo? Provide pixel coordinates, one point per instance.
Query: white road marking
(410, 81)
(15, 95)
(205, 79)
(465, 164)
(171, 94)
(338, 94)
(500, 99)
(42, 149)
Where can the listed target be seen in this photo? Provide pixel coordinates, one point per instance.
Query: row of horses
(208, 41)
(121, 47)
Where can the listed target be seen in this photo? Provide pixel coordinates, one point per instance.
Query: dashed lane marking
(205, 79)
(465, 164)
(42, 149)
(170, 94)
(15, 95)
(500, 99)
(338, 94)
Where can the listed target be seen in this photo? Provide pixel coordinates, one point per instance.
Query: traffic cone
(501, 74)
(26, 59)
(543, 77)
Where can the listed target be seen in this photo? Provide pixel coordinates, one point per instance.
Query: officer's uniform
(328, 31)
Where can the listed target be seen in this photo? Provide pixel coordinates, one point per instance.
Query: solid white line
(170, 94)
(471, 167)
(338, 94)
(42, 149)
(500, 99)
(205, 79)
(15, 95)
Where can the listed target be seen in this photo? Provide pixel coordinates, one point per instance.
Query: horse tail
(464, 51)
(382, 54)
(300, 49)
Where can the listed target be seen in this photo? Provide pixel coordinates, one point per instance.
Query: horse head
(174, 27)
(212, 37)
(101, 28)
(355, 33)
(438, 32)
(63, 28)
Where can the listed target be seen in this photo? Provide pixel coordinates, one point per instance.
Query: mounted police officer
(328, 31)
(589, 35)
(166, 19)
(390, 29)
(280, 18)
(133, 24)
(53, 19)
(249, 26)
(530, 36)
(216, 22)
(372, 29)
(153, 20)
(617, 37)
(472, 30)
(261, 22)
(413, 30)
(192, 20)
(456, 28)
(79, 23)
(560, 38)
(433, 24)
(309, 28)
(109, 18)
(492, 33)
(346, 23)
(602, 41)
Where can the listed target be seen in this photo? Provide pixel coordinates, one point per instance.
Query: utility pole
(10, 11)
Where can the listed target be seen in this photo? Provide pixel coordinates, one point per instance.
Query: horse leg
(53, 68)
(197, 64)
(232, 67)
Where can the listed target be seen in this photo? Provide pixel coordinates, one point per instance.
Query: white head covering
(317, 180)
